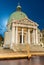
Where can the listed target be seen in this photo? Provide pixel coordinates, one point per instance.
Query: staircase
(37, 48)
(19, 47)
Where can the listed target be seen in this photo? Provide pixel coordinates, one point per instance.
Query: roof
(18, 15)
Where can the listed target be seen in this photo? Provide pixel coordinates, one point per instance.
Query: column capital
(13, 25)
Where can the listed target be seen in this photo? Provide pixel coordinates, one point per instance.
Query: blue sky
(33, 8)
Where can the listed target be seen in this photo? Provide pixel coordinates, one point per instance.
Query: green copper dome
(18, 15)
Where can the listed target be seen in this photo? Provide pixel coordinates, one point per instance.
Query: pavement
(8, 53)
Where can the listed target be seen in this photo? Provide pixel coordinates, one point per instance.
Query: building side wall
(7, 38)
(43, 37)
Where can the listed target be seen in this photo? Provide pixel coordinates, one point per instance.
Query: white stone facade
(23, 31)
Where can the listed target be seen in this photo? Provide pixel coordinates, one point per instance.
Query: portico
(21, 34)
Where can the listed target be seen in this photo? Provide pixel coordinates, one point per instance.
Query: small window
(40, 35)
(43, 35)
(40, 39)
(10, 26)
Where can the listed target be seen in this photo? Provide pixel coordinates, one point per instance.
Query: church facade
(21, 30)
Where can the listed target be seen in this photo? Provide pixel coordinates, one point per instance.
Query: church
(21, 30)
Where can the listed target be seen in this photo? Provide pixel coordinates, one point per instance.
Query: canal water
(35, 60)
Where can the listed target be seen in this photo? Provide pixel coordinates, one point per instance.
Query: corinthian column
(16, 35)
(13, 35)
(22, 35)
(36, 37)
(28, 36)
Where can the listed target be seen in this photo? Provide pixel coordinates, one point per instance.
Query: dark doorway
(20, 38)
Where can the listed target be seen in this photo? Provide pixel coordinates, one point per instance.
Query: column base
(36, 44)
(6, 46)
(11, 46)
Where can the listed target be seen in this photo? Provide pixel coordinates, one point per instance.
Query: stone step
(20, 47)
(36, 48)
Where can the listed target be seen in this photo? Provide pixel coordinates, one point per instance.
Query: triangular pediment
(26, 22)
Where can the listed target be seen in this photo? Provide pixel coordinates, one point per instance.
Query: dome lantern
(18, 7)
(17, 15)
